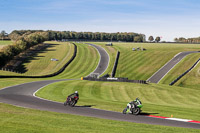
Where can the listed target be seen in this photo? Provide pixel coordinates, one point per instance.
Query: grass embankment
(141, 65)
(192, 79)
(40, 63)
(86, 61)
(180, 68)
(15, 119)
(159, 99)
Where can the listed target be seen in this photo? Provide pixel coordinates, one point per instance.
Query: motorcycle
(135, 108)
(71, 101)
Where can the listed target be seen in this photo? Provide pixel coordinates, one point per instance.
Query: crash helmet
(76, 92)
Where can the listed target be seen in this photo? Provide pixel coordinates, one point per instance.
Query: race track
(103, 62)
(23, 96)
(156, 77)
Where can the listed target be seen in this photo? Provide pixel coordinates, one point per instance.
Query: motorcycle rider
(75, 94)
(130, 105)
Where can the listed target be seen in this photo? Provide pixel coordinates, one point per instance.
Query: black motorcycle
(71, 101)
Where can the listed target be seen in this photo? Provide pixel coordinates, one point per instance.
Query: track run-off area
(23, 95)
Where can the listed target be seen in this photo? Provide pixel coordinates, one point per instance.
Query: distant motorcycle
(71, 101)
(135, 109)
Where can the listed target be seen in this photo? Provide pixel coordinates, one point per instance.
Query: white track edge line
(163, 66)
(171, 69)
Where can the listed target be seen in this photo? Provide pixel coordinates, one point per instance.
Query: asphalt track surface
(156, 77)
(23, 95)
(103, 62)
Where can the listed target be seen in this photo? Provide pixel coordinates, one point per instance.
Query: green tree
(138, 39)
(157, 39)
(3, 34)
(176, 39)
(151, 39)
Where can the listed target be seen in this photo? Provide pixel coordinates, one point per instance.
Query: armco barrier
(115, 80)
(173, 82)
(115, 65)
(49, 75)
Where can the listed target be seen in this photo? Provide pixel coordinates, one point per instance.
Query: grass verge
(161, 100)
(23, 120)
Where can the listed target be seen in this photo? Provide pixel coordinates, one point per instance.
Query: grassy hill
(86, 61)
(191, 80)
(141, 65)
(159, 99)
(41, 64)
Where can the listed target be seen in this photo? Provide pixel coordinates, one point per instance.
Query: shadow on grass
(34, 55)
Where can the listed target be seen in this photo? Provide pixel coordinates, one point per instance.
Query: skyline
(169, 19)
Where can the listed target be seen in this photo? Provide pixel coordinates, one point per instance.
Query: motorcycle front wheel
(124, 111)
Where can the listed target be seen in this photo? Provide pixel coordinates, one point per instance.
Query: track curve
(156, 77)
(103, 62)
(23, 95)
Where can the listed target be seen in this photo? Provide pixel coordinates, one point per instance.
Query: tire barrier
(173, 82)
(115, 80)
(49, 75)
(115, 65)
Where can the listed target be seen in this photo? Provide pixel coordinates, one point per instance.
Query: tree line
(24, 39)
(97, 36)
(187, 40)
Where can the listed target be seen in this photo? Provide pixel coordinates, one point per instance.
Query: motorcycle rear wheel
(136, 111)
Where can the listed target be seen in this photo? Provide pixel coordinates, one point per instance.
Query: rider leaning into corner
(130, 105)
(75, 94)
